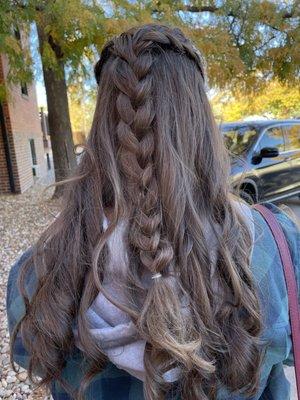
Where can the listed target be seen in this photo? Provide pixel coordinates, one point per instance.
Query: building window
(33, 153)
(24, 89)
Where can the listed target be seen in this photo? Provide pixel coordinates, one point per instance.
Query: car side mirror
(269, 152)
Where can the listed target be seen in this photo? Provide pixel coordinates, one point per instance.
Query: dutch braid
(136, 138)
(131, 73)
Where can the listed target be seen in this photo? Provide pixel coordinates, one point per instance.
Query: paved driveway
(294, 203)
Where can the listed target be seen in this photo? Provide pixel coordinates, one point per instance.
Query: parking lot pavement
(294, 204)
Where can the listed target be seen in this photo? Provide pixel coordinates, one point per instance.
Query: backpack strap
(291, 284)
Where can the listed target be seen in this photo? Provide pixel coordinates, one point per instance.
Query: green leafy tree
(82, 104)
(275, 100)
(245, 42)
(66, 30)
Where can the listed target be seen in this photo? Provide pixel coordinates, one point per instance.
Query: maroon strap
(290, 284)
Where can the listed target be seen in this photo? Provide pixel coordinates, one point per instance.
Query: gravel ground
(22, 219)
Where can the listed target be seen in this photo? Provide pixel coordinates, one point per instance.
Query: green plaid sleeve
(15, 306)
(292, 234)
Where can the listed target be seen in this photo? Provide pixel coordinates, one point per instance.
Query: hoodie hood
(111, 327)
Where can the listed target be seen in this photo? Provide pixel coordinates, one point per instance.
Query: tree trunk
(64, 158)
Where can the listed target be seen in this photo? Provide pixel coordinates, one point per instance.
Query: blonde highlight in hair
(159, 161)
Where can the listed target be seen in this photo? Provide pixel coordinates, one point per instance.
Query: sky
(41, 95)
(38, 75)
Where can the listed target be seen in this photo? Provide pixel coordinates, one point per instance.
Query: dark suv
(265, 158)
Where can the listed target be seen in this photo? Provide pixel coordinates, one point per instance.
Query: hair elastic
(156, 276)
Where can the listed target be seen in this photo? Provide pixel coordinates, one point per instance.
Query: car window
(292, 137)
(239, 139)
(272, 137)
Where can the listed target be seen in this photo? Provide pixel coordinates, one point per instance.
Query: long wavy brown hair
(156, 158)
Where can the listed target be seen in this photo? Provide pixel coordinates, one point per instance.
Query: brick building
(22, 152)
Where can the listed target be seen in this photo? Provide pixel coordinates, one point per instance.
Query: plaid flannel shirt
(115, 384)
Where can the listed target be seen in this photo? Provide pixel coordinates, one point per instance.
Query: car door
(273, 173)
